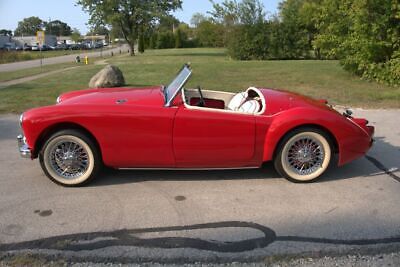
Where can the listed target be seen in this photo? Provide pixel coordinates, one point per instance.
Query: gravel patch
(390, 259)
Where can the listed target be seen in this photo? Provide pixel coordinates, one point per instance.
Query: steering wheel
(201, 102)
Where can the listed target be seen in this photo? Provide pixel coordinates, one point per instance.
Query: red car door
(136, 138)
(213, 138)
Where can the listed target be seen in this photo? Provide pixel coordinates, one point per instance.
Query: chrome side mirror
(348, 113)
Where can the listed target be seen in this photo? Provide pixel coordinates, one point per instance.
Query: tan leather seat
(239, 103)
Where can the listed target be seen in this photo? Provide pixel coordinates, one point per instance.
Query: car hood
(280, 100)
(114, 96)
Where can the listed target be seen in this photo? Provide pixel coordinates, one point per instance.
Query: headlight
(58, 100)
(21, 118)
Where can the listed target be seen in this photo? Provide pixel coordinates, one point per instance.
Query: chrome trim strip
(23, 148)
(190, 169)
(21, 118)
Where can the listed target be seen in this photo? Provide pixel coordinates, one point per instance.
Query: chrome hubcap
(69, 159)
(305, 155)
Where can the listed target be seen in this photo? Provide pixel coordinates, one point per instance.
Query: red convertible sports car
(176, 128)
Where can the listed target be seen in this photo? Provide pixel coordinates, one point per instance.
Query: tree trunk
(131, 48)
(318, 53)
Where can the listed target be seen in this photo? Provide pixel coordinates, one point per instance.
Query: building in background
(91, 40)
(50, 40)
(4, 39)
(65, 40)
(103, 39)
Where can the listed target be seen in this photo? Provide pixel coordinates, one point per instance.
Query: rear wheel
(70, 158)
(304, 155)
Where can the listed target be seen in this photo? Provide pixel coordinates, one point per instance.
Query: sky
(12, 11)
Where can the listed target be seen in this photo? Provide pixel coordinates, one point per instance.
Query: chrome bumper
(24, 150)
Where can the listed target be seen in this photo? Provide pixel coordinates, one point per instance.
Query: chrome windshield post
(176, 85)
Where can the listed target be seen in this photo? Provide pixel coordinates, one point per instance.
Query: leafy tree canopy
(58, 28)
(98, 29)
(76, 35)
(29, 26)
(197, 18)
(130, 15)
(5, 32)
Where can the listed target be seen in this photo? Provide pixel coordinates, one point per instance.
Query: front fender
(36, 122)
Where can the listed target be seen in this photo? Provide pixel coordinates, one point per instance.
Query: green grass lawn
(12, 75)
(213, 70)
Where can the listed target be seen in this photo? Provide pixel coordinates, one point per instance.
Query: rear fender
(287, 121)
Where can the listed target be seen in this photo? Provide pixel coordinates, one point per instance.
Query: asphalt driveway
(174, 216)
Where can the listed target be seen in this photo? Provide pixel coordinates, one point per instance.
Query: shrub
(165, 40)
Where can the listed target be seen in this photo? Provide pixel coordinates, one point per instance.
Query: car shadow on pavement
(381, 159)
(370, 165)
(111, 176)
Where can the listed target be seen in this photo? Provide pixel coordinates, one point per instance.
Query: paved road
(57, 60)
(219, 216)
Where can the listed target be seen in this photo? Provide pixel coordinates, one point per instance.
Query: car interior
(251, 101)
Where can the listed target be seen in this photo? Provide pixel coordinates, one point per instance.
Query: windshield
(176, 85)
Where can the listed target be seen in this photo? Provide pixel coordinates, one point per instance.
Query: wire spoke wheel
(70, 158)
(304, 155)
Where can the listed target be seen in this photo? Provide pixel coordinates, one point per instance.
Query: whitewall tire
(70, 158)
(304, 155)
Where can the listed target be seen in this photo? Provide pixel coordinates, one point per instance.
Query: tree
(153, 40)
(210, 34)
(363, 35)
(58, 28)
(179, 39)
(29, 26)
(5, 32)
(244, 28)
(116, 32)
(165, 39)
(309, 17)
(296, 39)
(226, 13)
(141, 45)
(251, 12)
(76, 35)
(197, 18)
(98, 30)
(129, 15)
(167, 23)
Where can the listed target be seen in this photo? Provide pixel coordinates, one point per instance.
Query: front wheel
(70, 158)
(303, 155)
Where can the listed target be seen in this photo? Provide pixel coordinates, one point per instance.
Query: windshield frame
(181, 83)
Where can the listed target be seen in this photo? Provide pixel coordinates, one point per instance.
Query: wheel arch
(46, 133)
(274, 145)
